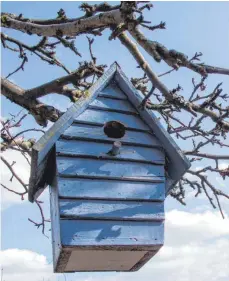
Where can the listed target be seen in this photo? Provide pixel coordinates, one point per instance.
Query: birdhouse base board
(78, 260)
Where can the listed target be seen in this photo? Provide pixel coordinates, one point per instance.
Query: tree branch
(40, 111)
(14, 173)
(172, 57)
(172, 98)
(73, 28)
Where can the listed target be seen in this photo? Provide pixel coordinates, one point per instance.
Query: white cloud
(185, 228)
(25, 265)
(22, 168)
(195, 261)
(224, 165)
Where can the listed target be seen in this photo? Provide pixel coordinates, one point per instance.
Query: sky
(196, 237)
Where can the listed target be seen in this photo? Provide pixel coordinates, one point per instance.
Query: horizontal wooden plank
(95, 233)
(100, 151)
(93, 116)
(106, 103)
(88, 132)
(111, 210)
(109, 168)
(112, 90)
(110, 189)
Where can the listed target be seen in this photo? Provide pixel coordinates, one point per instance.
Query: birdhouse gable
(107, 120)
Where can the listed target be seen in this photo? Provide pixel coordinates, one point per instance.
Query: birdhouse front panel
(111, 207)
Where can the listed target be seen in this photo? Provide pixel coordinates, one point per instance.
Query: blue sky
(191, 27)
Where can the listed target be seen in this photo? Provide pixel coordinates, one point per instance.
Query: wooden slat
(92, 167)
(93, 116)
(94, 233)
(88, 132)
(132, 153)
(106, 103)
(109, 189)
(113, 90)
(111, 210)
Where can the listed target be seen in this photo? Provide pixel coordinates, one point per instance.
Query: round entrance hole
(114, 129)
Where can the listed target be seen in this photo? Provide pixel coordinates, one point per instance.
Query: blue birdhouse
(109, 164)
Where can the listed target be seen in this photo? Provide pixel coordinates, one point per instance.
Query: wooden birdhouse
(109, 165)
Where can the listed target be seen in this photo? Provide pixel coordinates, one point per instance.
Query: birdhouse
(109, 164)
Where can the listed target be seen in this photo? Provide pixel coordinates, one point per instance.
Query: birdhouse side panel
(55, 222)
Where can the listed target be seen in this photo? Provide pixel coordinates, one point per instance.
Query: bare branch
(70, 28)
(173, 58)
(43, 54)
(28, 99)
(43, 220)
(172, 98)
(14, 173)
(204, 107)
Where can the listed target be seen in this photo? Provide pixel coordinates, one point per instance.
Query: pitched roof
(42, 153)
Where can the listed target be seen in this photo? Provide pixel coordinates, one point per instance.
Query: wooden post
(115, 148)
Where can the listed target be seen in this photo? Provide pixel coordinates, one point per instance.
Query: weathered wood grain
(91, 232)
(96, 133)
(112, 90)
(93, 116)
(82, 148)
(93, 167)
(110, 189)
(111, 210)
(112, 104)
